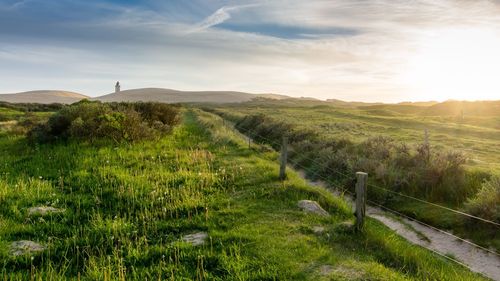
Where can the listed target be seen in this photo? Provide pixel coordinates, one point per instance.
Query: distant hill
(43, 96)
(350, 104)
(394, 109)
(431, 108)
(472, 108)
(260, 101)
(174, 96)
(419, 103)
(447, 108)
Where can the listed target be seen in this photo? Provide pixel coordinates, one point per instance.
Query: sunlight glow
(460, 64)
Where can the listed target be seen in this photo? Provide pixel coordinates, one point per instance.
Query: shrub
(442, 177)
(136, 128)
(379, 147)
(486, 203)
(118, 122)
(154, 112)
(420, 171)
(266, 130)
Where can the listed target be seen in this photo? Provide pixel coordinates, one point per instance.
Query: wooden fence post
(283, 158)
(360, 199)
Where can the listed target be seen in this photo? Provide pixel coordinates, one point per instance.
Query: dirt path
(478, 260)
(474, 258)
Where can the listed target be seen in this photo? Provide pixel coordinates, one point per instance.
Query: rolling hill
(468, 108)
(350, 104)
(174, 96)
(447, 108)
(43, 96)
(394, 109)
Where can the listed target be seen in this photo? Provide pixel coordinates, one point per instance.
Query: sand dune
(43, 96)
(174, 96)
(144, 94)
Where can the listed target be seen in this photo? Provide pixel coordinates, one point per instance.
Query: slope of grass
(126, 206)
(333, 127)
(477, 136)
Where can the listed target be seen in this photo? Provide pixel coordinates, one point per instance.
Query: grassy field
(9, 114)
(476, 137)
(126, 207)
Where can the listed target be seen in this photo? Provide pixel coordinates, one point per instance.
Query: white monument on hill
(117, 87)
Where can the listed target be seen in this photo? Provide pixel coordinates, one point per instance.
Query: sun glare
(461, 64)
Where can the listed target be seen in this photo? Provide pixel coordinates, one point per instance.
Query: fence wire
(385, 189)
(344, 190)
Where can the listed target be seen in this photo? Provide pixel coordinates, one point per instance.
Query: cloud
(221, 15)
(216, 18)
(290, 31)
(344, 48)
(10, 5)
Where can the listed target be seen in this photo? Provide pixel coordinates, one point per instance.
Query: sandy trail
(478, 260)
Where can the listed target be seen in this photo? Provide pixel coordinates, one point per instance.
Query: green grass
(10, 119)
(127, 206)
(475, 136)
(8, 113)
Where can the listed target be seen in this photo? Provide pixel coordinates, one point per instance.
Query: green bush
(265, 130)
(118, 122)
(420, 171)
(486, 203)
(159, 113)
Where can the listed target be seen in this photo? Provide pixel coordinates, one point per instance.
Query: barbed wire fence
(247, 133)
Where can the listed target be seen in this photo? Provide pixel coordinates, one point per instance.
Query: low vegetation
(487, 201)
(125, 207)
(30, 107)
(19, 121)
(118, 122)
(424, 170)
(419, 171)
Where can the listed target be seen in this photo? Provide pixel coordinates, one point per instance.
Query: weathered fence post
(283, 158)
(360, 199)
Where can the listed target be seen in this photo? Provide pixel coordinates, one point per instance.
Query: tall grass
(423, 171)
(127, 206)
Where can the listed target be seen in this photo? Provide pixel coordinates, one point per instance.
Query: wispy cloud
(13, 5)
(216, 18)
(221, 15)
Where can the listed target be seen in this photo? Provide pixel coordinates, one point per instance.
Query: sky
(352, 50)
